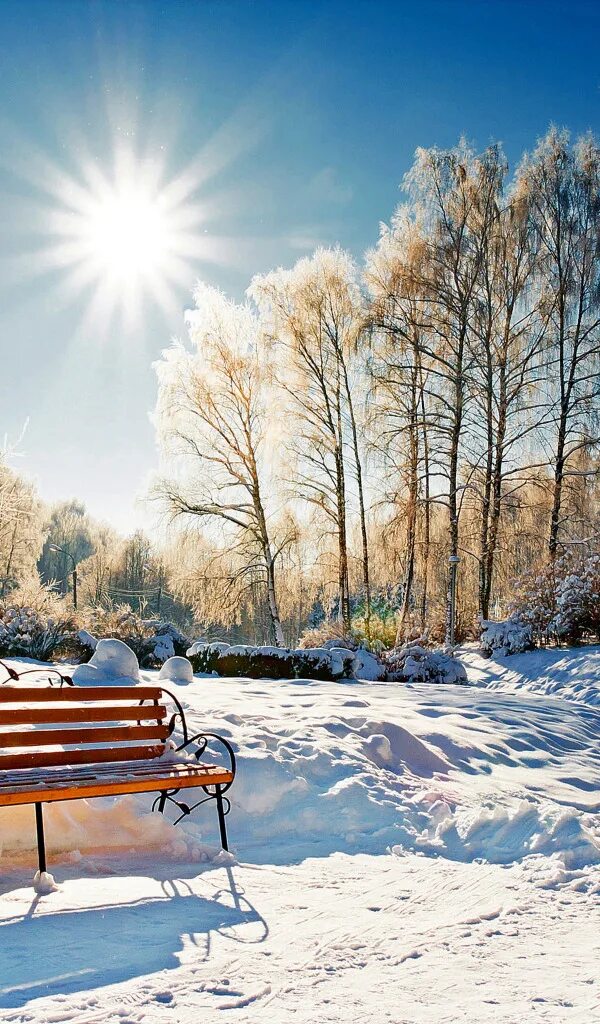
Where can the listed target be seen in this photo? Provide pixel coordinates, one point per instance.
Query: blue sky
(300, 119)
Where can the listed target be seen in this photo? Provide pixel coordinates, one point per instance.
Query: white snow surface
(405, 853)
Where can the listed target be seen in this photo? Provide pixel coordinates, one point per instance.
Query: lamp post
(453, 562)
(64, 551)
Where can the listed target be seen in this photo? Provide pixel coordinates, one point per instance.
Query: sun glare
(128, 235)
(131, 239)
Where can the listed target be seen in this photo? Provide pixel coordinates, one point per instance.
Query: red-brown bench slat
(102, 713)
(13, 694)
(86, 789)
(47, 759)
(76, 773)
(81, 737)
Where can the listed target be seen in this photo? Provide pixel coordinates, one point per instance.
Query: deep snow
(405, 853)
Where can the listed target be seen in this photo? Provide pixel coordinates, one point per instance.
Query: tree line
(330, 443)
(356, 427)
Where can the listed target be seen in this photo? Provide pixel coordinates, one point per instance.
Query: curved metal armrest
(200, 739)
(49, 671)
(201, 746)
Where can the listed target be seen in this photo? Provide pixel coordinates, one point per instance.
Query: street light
(451, 625)
(64, 551)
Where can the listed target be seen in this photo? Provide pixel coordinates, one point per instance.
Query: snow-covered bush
(534, 601)
(562, 601)
(413, 663)
(271, 662)
(367, 665)
(508, 637)
(578, 600)
(152, 640)
(34, 623)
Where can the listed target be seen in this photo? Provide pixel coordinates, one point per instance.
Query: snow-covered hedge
(271, 662)
(413, 663)
(508, 637)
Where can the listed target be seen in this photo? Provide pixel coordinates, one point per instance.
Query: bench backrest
(92, 723)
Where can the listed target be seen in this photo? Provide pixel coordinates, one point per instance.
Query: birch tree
(564, 184)
(399, 319)
(211, 416)
(314, 313)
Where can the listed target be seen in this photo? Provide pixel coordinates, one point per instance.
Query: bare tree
(564, 184)
(315, 314)
(399, 320)
(211, 414)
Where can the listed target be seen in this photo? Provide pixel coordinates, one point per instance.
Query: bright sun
(129, 238)
(129, 235)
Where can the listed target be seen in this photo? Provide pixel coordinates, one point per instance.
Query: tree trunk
(361, 503)
(413, 497)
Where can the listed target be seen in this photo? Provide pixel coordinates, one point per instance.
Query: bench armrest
(201, 741)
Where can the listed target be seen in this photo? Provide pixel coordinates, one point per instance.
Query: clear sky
(275, 125)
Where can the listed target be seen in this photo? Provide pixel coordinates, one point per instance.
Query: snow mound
(177, 670)
(501, 835)
(570, 673)
(395, 748)
(112, 663)
(43, 883)
(368, 666)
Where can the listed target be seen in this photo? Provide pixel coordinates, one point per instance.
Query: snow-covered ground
(403, 854)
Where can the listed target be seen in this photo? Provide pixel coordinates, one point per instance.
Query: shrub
(508, 637)
(562, 601)
(381, 635)
(578, 600)
(413, 663)
(271, 662)
(34, 623)
(328, 634)
(151, 640)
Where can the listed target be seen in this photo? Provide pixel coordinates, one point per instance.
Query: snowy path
(488, 910)
(341, 939)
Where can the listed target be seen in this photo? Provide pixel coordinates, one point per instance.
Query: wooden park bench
(65, 742)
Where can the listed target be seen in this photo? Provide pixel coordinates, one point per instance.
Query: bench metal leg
(39, 825)
(221, 813)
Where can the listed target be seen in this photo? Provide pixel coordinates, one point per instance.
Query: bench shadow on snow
(70, 951)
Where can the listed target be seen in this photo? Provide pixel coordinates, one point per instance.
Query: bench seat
(76, 782)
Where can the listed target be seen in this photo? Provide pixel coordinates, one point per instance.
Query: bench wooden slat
(15, 694)
(47, 759)
(86, 790)
(74, 773)
(81, 737)
(43, 716)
